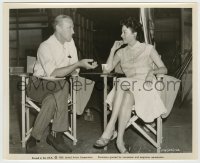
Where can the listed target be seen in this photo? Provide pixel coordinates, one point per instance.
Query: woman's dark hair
(135, 26)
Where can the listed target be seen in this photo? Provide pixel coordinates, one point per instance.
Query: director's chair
(151, 131)
(28, 103)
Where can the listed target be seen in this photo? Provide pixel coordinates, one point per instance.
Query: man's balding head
(59, 20)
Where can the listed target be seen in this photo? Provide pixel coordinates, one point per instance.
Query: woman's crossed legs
(122, 107)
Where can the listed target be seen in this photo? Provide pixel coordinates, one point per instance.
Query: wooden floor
(177, 133)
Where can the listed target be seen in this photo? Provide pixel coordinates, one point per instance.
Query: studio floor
(177, 133)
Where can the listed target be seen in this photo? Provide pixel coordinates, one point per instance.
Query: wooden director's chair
(145, 130)
(28, 103)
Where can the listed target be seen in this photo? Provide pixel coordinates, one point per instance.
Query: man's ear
(58, 28)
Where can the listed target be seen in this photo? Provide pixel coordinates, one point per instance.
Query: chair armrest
(107, 75)
(111, 75)
(20, 74)
(56, 78)
(50, 78)
(25, 75)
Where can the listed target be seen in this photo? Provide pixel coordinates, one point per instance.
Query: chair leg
(105, 105)
(72, 128)
(159, 133)
(27, 120)
(23, 113)
(74, 124)
(71, 123)
(158, 150)
(73, 92)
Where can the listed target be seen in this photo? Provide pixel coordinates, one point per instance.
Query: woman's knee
(119, 93)
(129, 98)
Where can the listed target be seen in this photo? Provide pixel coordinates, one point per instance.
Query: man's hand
(88, 64)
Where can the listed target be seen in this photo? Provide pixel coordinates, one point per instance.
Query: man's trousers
(53, 95)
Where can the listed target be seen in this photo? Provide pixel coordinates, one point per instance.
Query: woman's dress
(136, 63)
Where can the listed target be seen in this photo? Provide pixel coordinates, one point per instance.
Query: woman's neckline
(135, 45)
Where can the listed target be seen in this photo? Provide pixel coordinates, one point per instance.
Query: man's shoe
(31, 145)
(58, 143)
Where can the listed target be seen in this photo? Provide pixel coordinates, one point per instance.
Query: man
(56, 57)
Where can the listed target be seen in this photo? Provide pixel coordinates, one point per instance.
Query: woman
(137, 61)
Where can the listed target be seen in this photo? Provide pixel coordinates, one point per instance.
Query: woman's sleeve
(152, 50)
(156, 57)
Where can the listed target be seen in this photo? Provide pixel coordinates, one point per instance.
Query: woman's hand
(149, 79)
(113, 59)
(117, 45)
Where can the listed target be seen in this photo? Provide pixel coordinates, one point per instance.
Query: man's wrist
(78, 64)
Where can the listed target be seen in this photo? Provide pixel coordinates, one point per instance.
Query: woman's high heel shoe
(126, 150)
(102, 142)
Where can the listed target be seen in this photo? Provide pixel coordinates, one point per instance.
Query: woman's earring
(135, 35)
